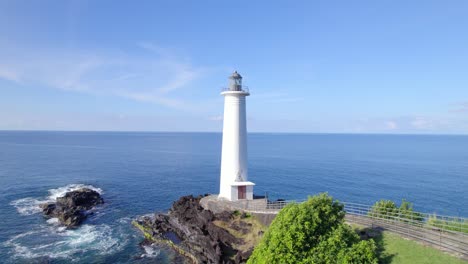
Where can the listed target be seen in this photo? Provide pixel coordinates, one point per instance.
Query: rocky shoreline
(73, 208)
(201, 235)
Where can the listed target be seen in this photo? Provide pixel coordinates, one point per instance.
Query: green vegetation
(245, 227)
(387, 209)
(459, 226)
(313, 232)
(246, 215)
(393, 249)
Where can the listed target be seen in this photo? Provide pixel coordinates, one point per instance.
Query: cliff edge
(201, 235)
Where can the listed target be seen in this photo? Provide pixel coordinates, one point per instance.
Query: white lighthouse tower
(234, 173)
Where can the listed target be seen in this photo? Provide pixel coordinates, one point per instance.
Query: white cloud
(278, 97)
(14, 120)
(9, 75)
(461, 107)
(152, 77)
(391, 125)
(154, 98)
(216, 118)
(422, 123)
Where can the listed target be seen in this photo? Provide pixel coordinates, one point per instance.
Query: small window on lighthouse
(238, 82)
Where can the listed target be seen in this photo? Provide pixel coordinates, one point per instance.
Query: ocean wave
(125, 220)
(150, 251)
(54, 242)
(53, 221)
(30, 205)
(51, 240)
(27, 206)
(61, 191)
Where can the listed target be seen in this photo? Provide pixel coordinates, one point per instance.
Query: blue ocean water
(139, 173)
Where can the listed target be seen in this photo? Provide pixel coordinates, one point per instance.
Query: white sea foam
(150, 252)
(124, 220)
(55, 241)
(27, 206)
(52, 242)
(30, 205)
(53, 221)
(61, 191)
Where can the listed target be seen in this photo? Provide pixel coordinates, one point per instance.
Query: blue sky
(311, 66)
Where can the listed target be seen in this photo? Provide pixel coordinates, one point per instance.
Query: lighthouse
(234, 184)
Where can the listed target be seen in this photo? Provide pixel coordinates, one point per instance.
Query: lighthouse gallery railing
(243, 89)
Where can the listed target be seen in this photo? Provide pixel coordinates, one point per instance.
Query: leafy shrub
(406, 212)
(387, 209)
(246, 215)
(362, 252)
(312, 232)
(384, 209)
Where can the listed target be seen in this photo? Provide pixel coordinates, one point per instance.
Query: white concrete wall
(234, 193)
(234, 148)
(249, 195)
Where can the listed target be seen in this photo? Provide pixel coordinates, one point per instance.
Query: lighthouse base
(239, 191)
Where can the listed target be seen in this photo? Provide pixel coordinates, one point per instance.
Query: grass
(251, 238)
(395, 249)
(459, 226)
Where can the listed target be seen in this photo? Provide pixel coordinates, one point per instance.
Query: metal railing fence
(452, 224)
(449, 233)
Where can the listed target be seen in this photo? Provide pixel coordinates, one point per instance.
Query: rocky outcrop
(72, 209)
(200, 235)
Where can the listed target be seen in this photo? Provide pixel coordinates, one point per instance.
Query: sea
(139, 173)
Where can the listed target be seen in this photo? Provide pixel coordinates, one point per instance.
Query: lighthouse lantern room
(234, 184)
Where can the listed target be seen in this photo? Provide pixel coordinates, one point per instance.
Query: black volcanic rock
(198, 236)
(72, 209)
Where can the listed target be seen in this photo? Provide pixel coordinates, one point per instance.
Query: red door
(241, 192)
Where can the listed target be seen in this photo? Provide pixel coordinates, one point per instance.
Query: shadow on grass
(377, 236)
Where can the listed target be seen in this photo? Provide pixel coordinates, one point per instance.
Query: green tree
(386, 209)
(312, 232)
(406, 212)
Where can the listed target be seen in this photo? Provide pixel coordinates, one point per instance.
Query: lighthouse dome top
(235, 75)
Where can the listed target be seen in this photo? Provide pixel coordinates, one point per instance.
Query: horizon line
(251, 132)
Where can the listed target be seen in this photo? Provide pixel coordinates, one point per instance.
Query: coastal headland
(203, 236)
(205, 229)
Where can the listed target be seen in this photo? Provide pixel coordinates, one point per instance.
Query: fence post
(440, 238)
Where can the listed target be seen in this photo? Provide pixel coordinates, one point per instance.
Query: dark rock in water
(72, 209)
(48, 208)
(200, 233)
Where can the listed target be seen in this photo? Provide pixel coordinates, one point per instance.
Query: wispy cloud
(9, 75)
(391, 125)
(216, 118)
(20, 120)
(152, 77)
(423, 123)
(460, 107)
(278, 97)
(409, 124)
